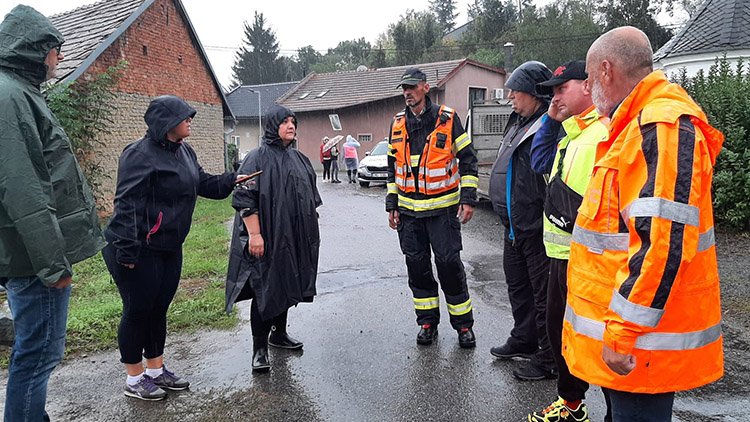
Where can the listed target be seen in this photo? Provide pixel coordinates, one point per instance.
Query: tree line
(552, 34)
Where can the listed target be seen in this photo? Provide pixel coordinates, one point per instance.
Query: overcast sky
(321, 23)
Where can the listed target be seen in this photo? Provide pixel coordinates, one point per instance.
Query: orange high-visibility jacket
(642, 275)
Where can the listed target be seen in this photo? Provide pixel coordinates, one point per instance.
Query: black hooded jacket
(158, 182)
(285, 198)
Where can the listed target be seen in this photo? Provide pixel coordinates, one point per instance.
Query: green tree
(445, 13)
(491, 20)
(84, 109)
(640, 14)
(724, 94)
(257, 60)
(555, 33)
(306, 57)
(413, 35)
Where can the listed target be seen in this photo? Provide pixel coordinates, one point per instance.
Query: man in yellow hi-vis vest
(432, 181)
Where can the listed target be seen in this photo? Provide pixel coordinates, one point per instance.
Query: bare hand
(555, 113)
(393, 219)
(256, 245)
(62, 283)
(619, 364)
(465, 212)
(131, 266)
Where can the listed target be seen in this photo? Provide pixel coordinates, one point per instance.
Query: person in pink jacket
(350, 158)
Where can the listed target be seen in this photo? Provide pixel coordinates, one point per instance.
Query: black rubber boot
(279, 338)
(260, 354)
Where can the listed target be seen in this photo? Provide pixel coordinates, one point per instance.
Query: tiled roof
(244, 102)
(330, 91)
(86, 27)
(718, 25)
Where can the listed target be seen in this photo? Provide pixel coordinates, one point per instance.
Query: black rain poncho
(285, 198)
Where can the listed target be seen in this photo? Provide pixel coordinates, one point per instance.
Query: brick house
(362, 103)
(164, 56)
(245, 101)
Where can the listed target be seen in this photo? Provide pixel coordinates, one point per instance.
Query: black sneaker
(534, 373)
(145, 389)
(170, 381)
(507, 352)
(427, 334)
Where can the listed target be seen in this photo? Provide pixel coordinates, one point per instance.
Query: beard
(603, 106)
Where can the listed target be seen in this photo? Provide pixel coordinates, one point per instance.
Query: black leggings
(326, 169)
(261, 328)
(146, 291)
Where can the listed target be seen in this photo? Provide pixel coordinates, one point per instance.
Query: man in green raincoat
(48, 217)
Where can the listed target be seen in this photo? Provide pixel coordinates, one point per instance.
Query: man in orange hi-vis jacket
(643, 317)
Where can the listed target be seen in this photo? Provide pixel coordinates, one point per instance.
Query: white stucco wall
(695, 62)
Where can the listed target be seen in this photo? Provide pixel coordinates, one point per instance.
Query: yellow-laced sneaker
(558, 412)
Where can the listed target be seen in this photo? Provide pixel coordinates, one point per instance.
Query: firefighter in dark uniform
(432, 183)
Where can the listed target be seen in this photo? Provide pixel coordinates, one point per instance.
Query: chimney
(508, 48)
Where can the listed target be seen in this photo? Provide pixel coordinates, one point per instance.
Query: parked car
(374, 167)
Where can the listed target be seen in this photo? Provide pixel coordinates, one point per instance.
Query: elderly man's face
(53, 59)
(523, 103)
(599, 95)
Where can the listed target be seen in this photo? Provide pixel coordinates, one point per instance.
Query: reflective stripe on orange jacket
(642, 275)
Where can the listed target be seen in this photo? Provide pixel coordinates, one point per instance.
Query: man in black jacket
(432, 181)
(517, 195)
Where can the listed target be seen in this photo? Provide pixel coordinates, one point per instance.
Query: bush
(724, 94)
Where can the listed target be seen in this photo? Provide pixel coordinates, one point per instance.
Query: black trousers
(569, 387)
(146, 291)
(441, 235)
(326, 169)
(526, 268)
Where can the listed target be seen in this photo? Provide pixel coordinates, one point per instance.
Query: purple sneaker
(145, 389)
(170, 381)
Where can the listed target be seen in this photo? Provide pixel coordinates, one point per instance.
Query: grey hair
(627, 48)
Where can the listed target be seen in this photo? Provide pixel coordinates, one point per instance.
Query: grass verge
(95, 305)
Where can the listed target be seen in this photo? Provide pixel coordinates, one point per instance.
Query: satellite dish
(361, 68)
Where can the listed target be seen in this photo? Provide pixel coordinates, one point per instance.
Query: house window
(335, 122)
(364, 137)
(304, 95)
(235, 140)
(476, 94)
(322, 93)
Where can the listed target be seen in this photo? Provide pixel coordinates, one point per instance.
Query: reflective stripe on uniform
(635, 313)
(426, 303)
(429, 204)
(437, 172)
(460, 309)
(706, 240)
(599, 242)
(440, 184)
(403, 182)
(415, 160)
(557, 238)
(392, 188)
(462, 142)
(469, 182)
(651, 341)
(663, 208)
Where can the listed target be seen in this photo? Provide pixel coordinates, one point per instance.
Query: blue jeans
(639, 407)
(40, 316)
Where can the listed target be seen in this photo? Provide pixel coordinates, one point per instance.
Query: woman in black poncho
(274, 253)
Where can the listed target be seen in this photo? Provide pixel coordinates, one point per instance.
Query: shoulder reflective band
(650, 341)
(663, 208)
(462, 142)
(635, 313)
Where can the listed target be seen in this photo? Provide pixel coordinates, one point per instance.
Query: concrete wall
(247, 130)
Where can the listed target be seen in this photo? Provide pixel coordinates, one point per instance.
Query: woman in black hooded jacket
(158, 182)
(274, 253)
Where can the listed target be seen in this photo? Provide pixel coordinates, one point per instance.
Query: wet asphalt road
(360, 361)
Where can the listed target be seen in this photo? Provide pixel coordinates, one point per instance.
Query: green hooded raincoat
(48, 217)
